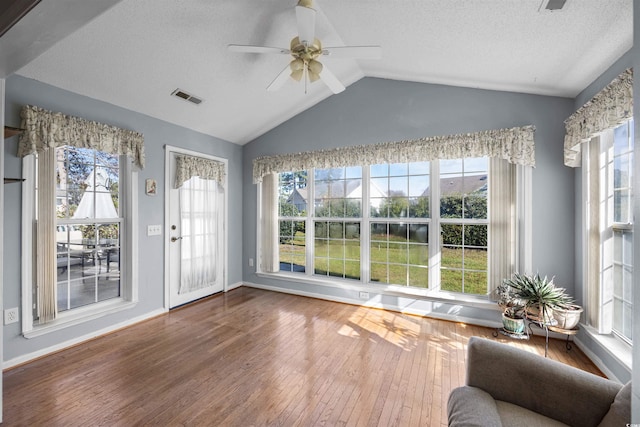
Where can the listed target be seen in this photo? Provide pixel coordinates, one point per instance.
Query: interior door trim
(168, 151)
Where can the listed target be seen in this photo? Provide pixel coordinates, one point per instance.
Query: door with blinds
(196, 232)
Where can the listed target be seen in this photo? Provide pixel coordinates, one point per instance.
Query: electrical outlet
(364, 295)
(11, 315)
(154, 230)
(250, 262)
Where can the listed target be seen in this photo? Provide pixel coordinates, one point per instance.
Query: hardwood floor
(257, 358)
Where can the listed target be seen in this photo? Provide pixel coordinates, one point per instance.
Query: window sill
(617, 348)
(79, 316)
(393, 290)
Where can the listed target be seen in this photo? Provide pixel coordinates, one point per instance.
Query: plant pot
(567, 318)
(534, 313)
(515, 326)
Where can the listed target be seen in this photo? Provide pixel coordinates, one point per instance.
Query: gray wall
(376, 110)
(21, 91)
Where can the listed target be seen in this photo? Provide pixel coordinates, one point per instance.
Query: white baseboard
(61, 346)
(596, 360)
(234, 286)
(66, 344)
(391, 307)
(399, 309)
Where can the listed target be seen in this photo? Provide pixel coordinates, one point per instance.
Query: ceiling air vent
(552, 5)
(187, 96)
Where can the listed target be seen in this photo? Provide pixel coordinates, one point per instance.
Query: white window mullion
(365, 228)
(606, 233)
(309, 235)
(434, 227)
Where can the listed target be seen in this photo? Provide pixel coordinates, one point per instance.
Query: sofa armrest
(545, 386)
(472, 407)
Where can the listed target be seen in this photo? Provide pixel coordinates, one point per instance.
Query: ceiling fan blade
(257, 49)
(331, 80)
(280, 79)
(365, 52)
(306, 19)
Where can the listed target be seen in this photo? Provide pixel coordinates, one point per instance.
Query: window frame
(623, 227)
(523, 246)
(129, 253)
(605, 331)
(440, 221)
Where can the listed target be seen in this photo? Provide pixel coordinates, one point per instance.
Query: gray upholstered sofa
(507, 386)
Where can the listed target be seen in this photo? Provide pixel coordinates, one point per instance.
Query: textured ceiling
(138, 51)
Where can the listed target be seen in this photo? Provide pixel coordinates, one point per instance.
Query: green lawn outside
(393, 262)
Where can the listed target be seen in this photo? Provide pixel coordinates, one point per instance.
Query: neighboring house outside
(468, 184)
(449, 185)
(300, 196)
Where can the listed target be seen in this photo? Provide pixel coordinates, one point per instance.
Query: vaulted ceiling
(135, 53)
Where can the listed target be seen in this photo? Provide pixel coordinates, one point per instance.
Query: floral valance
(610, 107)
(514, 145)
(189, 166)
(46, 129)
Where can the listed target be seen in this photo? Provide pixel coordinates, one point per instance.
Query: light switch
(154, 230)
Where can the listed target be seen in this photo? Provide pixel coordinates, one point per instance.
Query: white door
(196, 201)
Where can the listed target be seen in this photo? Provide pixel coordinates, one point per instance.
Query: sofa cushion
(472, 407)
(516, 416)
(620, 411)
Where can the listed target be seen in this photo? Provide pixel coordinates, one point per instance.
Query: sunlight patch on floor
(391, 327)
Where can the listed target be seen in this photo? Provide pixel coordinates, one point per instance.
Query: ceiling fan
(305, 49)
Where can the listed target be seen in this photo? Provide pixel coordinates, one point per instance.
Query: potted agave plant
(513, 318)
(540, 296)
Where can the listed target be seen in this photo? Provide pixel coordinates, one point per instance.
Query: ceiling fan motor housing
(305, 55)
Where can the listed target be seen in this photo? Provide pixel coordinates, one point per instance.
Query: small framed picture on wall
(150, 187)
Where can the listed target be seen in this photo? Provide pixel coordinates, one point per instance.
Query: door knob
(175, 239)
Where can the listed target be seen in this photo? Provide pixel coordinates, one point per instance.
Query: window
(325, 231)
(93, 206)
(78, 211)
(609, 219)
(399, 229)
(337, 223)
(622, 164)
(388, 213)
(292, 208)
(88, 224)
(464, 225)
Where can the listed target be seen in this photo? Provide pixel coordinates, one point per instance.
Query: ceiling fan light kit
(305, 49)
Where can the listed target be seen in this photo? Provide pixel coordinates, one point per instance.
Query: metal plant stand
(532, 321)
(544, 326)
(568, 332)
